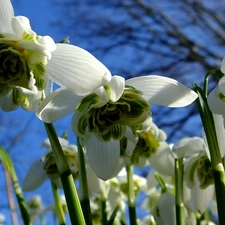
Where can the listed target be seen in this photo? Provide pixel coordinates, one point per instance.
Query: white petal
(163, 90)
(95, 184)
(189, 146)
(6, 14)
(21, 24)
(163, 160)
(220, 132)
(201, 198)
(6, 103)
(223, 65)
(44, 46)
(116, 88)
(57, 105)
(76, 69)
(33, 102)
(103, 157)
(35, 176)
(216, 105)
(46, 143)
(167, 209)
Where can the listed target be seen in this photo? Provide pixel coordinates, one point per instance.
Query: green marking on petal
(86, 102)
(81, 126)
(109, 120)
(205, 172)
(40, 69)
(221, 96)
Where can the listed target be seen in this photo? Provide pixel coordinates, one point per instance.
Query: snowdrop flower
(216, 98)
(119, 108)
(28, 61)
(46, 167)
(198, 172)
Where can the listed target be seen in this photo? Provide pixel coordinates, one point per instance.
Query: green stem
(131, 196)
(73, 203)
(18, 191)
(84, 191)
(103, 211)
(179, 198)
(216, 160)
(58, 205)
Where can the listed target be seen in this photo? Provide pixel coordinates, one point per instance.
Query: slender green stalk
(103, 211)
(161, 183)
(131, 196)
(84, 191)
(73, 203)
(216, 160)
(18, 191)
(179, 198)
(58, 205)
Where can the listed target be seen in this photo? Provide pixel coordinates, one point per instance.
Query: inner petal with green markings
(109, 119)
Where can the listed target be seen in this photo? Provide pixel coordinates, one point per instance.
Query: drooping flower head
(115, 110)
(107, 114)
(46, 167)
(28, 60)
(23, 56)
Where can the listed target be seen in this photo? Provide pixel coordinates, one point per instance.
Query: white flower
(29, 60)
(198, 172)
(45, 167)
(119, 108)
(216, 98)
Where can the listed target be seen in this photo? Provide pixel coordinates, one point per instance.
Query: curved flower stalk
(27, 62)
(45, 167)
(119, 108)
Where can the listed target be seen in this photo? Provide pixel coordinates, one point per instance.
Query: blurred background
(178, 39)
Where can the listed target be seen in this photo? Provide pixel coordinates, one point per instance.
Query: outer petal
(96, 185)
(223, 65)
(163, 160)
(76, 69)
(201, 198)
(35, 176)
(216, 104)
(57, 105)
(220, 132)
(63, 142)
(167, 208)
(163, 90)
(103, 157)
(6, 103)
(189, 146)
(6, 14)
